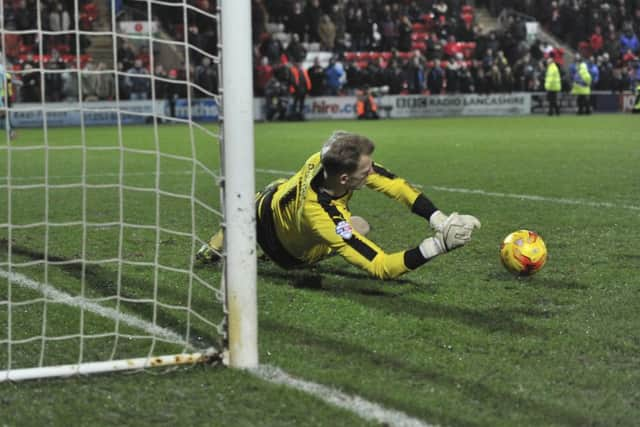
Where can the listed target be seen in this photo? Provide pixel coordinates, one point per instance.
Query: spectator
(334, 73)
(296, 52)
(138, 87)
(435, 78)
(354, 76)
(466, 83)
(263, 74)
(105, 86)
(594, 71)
(629, 41)
(359, 30)
(30, 84)
(605, 69)
(508, 81)
(581, 84)
(494, 80)
(69, 92)
(396, 78)
(300, 86)
(552, 85)
(277, 95)
(326, 33)
(313, 12)
(258, 19)
(404, 34)
(317, 77)
(89, 82)
(366, 106)
(206, 76)
(296, 22)
(339, 19)
(388, 30)
(160, 83)
(53, 81)
(416, 76)
(271, 48)
(596, 42)
(126, 53)
(59, 19)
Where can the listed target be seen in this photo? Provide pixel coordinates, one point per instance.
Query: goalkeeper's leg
(211, 252)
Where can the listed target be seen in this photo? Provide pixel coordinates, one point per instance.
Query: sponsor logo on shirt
(344, 230)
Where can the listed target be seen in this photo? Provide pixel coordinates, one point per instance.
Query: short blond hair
(342, 151)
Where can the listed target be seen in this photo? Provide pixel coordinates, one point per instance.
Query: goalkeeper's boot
(210, 252)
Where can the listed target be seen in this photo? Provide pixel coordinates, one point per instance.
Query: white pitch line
(359, 406)
(57, 296)
(558, 200)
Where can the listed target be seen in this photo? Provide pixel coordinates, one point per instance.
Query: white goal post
(104, 202)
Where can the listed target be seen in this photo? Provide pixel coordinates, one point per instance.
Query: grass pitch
(458, 342)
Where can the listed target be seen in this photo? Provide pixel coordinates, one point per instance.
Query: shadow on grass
(403, 372)
(539, 280)
(104, 281)
(357, 287)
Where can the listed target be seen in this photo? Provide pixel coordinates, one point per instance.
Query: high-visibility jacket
(552, 80)
(636, 106)
(582, 81)
(361, 105)
(295, 72)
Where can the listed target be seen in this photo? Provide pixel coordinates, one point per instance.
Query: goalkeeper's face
(358, 178)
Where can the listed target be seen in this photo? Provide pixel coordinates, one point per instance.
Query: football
(523, 252)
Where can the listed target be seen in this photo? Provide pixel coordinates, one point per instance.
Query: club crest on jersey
(344, 230)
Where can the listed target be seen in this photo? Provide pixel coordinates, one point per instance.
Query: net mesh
(110, 187)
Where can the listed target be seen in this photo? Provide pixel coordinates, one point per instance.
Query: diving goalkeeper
(306, 218)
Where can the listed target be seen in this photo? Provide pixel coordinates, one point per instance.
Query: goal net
(117, 164)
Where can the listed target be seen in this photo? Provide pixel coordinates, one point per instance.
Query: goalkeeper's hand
(455, 232)
(438, 220)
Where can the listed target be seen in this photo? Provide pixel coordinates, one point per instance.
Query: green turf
(458, 342)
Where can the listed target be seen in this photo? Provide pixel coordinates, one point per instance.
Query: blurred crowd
(436, 46)
(326, 47)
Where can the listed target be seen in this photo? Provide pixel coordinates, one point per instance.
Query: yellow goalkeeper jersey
(299, 224)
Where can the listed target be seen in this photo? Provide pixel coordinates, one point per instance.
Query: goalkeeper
(306, 218)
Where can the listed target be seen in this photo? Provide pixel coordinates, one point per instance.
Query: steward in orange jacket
(366, 107)
(299, 87)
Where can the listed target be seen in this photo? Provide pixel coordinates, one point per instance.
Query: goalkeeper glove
(438, 219)
(455, 232)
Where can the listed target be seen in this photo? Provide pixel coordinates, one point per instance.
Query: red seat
(467, 8)
(419, 36)
(350, 56)
(418, 45)
(418, 27)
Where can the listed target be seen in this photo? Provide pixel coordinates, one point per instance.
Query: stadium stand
(398, 45)
(395, 44)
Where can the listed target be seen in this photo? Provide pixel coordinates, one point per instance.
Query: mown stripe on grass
(55, 295)
(361, 407)
(356, 404)
(558, 200)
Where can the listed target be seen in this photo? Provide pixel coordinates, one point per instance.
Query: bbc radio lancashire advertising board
(403, 106)
(457, 105)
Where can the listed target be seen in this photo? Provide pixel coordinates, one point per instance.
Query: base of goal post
(210, 356)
